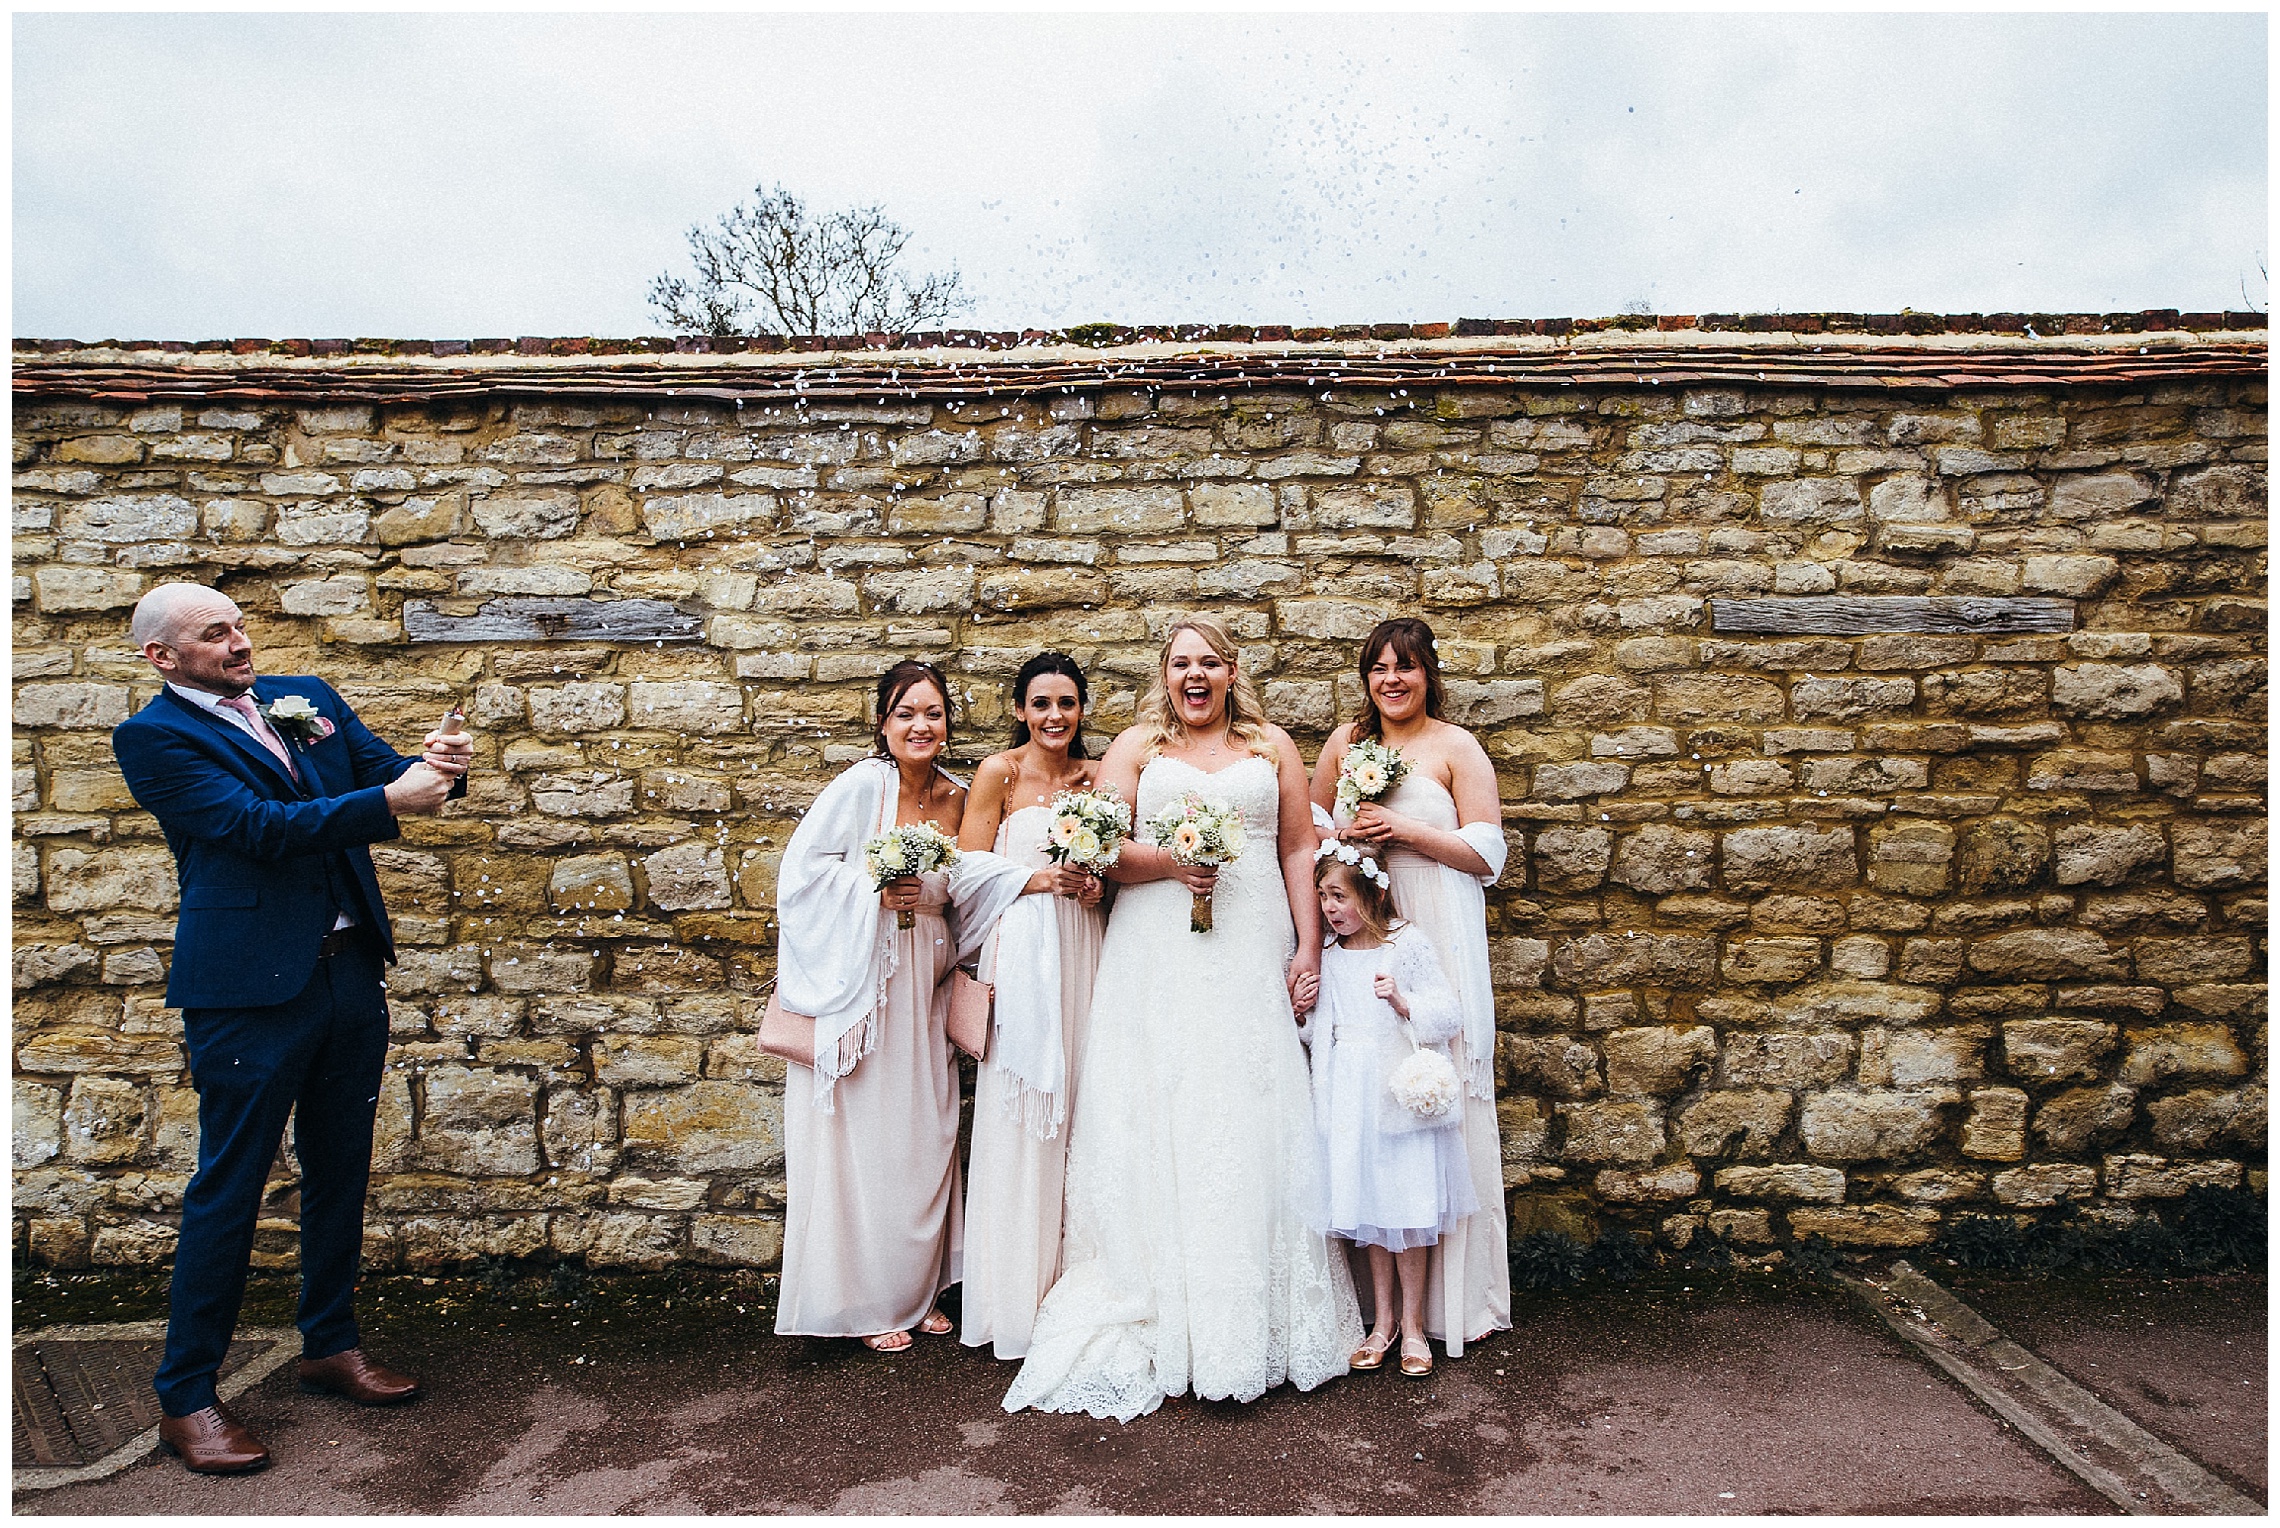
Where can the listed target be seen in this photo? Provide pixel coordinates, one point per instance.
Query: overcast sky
(183, 176)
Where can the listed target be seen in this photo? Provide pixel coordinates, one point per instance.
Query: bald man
(269, 791)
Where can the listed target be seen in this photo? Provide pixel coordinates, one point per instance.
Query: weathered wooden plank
(534, 619)
(1839, 615)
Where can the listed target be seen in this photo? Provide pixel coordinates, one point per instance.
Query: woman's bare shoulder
(1129, 744)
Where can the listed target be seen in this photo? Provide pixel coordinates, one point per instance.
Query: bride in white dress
(1194, 1255)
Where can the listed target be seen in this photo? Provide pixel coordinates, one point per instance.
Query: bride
(1194, 1254)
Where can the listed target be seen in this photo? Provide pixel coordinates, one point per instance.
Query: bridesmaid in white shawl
(1440, 835)
(1041, 958)
(871, 1214)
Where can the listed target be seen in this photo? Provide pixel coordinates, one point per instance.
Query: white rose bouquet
(1368, 770)
(1197, 832)
(1089, 829)
(912, 849)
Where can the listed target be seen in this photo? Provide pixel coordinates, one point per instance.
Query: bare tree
(772, 268)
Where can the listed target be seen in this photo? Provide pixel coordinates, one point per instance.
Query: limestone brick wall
(1833, 934)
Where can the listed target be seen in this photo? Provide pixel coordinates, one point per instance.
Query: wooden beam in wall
(533, 619)
(1838, 615)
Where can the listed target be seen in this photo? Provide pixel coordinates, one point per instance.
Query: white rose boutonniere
(294, 717)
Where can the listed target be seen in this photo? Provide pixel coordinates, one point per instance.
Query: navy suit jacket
(255, 850)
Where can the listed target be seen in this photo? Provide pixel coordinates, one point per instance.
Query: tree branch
(769, 267)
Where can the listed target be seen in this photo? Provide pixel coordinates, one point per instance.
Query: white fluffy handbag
(1426, 1082)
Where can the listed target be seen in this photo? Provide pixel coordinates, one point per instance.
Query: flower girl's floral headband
(1346, 854)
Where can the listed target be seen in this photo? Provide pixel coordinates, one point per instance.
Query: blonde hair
(1246, 718)
(1372, 901)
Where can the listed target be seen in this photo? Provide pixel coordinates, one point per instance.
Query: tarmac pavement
(2126, 1342)
(1741, 1394)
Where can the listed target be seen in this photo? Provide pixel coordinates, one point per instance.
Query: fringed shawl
(835, 945)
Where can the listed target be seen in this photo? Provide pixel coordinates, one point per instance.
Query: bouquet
(1088, 829)
(1368, 771)
(1198, 833)
(910, 850)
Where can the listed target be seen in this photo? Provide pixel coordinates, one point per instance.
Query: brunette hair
(1037, 668)
(897, 682)
(1246, 718)
(1409, 638)
(1374, 901)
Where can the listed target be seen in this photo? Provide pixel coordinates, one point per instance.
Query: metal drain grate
(82, 1394)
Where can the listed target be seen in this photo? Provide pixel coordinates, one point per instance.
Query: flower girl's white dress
(1194, 1256)
(1396, 1181)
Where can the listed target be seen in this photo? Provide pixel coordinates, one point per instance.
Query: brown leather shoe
(212, 1442)
(353, 1375)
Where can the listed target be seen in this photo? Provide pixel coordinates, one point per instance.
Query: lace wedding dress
(1194, 1255)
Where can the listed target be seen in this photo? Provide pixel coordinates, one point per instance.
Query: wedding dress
(1194, 1255)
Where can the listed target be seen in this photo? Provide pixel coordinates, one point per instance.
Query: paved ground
(1744, 1398)
(2120, 1341)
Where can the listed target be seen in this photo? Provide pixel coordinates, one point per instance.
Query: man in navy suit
(268, 791)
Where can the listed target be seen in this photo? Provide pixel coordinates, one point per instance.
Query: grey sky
(185, 176)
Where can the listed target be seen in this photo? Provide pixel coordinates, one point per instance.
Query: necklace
(926, 796)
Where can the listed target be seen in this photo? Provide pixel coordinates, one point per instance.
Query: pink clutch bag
(787, 1034)
(970, 1000)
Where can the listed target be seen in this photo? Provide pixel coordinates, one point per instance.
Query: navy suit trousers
(318, 1057)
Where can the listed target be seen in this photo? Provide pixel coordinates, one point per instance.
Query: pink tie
(244, 708)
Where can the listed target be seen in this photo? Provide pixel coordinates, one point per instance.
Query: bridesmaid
(1041, 956)
(871, 1222)
(1440, 835)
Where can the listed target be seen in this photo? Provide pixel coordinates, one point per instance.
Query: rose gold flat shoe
(1414, 1367)
(1366, 1357)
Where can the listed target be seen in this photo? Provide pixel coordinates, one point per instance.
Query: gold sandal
(884, 1342)
(1366, 1357)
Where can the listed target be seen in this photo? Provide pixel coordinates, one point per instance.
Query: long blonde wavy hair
(1246, 717)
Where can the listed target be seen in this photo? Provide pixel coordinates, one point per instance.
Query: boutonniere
(295, 718)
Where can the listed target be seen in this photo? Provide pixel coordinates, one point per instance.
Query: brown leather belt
(337, 942)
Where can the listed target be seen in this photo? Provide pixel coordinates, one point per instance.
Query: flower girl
(1386, 1095)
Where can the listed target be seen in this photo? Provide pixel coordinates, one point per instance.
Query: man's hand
(417, 791)
(447, 753)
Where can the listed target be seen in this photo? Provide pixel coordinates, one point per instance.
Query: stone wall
(1830, 934)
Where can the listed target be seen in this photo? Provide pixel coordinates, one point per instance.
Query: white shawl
(1487, 841)
(1026, 1043)
(835, 945)
(1485, 838)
